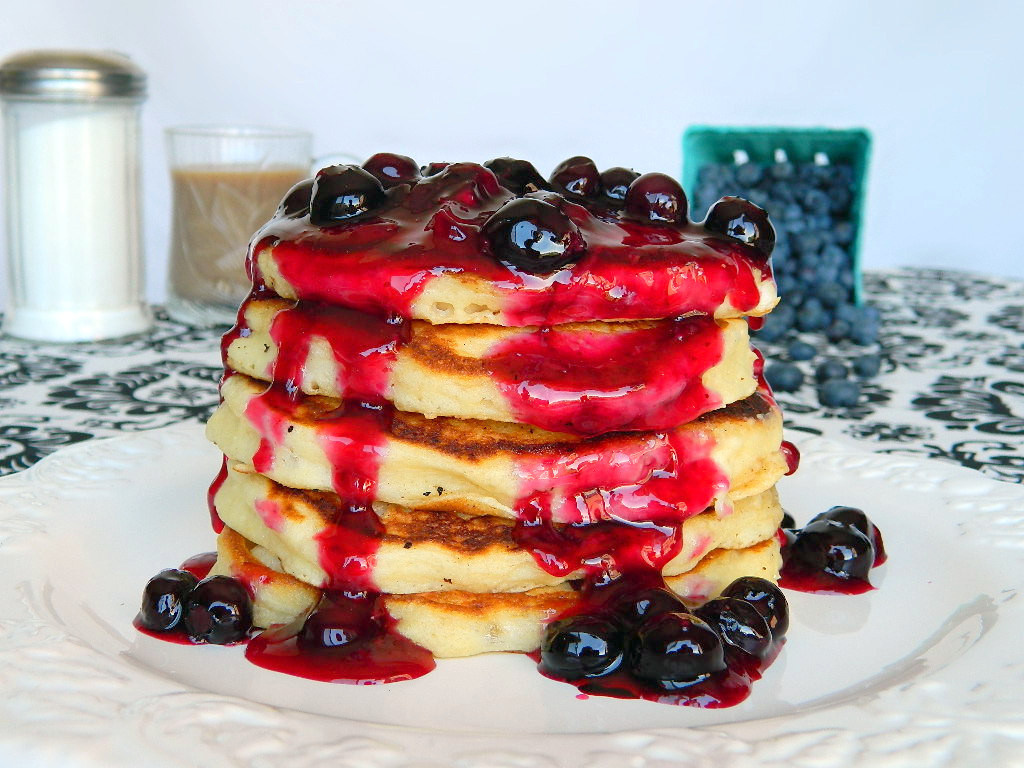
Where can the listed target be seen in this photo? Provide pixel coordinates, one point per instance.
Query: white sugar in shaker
(71, 175)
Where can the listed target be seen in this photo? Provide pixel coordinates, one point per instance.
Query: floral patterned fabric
(951, 386)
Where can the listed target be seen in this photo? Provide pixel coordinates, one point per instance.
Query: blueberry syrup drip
(589, 382)
(364, 347)
(218, 481)
(349, 638)
(792, 456)
(200, 565)
(433, 226)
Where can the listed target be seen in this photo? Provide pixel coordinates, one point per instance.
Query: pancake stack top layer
(538, 387)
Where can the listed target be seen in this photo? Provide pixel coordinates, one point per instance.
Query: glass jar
(71, 159)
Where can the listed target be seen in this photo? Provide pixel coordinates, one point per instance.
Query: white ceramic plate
(927, 670)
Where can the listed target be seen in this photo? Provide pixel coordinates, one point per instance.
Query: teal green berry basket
(705, 145)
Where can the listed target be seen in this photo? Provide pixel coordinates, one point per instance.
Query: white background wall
(937, 82)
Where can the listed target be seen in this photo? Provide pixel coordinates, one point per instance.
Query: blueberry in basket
(811, 205)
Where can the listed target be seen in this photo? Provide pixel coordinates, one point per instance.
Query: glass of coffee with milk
(226, 183)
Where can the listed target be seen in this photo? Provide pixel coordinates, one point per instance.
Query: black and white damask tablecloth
(951, 385)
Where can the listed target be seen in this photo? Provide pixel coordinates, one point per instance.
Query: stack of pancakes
(476, 473)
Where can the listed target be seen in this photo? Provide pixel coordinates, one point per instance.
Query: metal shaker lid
(71, 76)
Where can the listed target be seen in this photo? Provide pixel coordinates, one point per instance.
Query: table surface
(951, 386)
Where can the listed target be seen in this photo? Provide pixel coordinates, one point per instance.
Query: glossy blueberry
(830, 369)
(856, 518)
(343, 193)
(783, 377)
(582, 647)
(801, 350)
(867, 366)
(843, 515)
(833, 548)
(218, 611)
(296, 201)
(163, 599)
(738, 623)
(839, 393)
(787, 521)
(656, 198)
(518, 176)
(676, 650)
(742, 220)
(577, 176)
(326, 630)
(391, 169)
(432, 169)
(640, 606)
(533, 236)
(615, 183)
(766, 598)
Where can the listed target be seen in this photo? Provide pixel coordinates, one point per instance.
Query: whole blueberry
(637, 607)
(766, 597)
(867, 366)
(831, 294)
(517, 176)
(676, 650)
(811, 319)
(856, 518)
(830, 369)
(615, 183)
(830, 547)
(163, 599)
(839, 393)
(750, 174)
(656, 198)
(742, 220)
(837, 330)
(577, 176)
(801, 350)
(738, 623)
(218, 611)
(342, 193)
(391, 169)
(533, 236)
(783, 377)
(296, 201)
(582, 647)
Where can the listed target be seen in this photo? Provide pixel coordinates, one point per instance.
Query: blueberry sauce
(218, 481)
(434, 225)
(589, 382)
(575, 381)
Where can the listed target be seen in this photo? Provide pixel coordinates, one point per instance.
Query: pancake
(487, 467)
(428, 551)
(435, 248)
(456, 623)
(582, 378)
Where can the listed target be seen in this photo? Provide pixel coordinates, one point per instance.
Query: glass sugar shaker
(71, 188)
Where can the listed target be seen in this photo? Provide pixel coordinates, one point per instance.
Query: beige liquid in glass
(216, 210)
